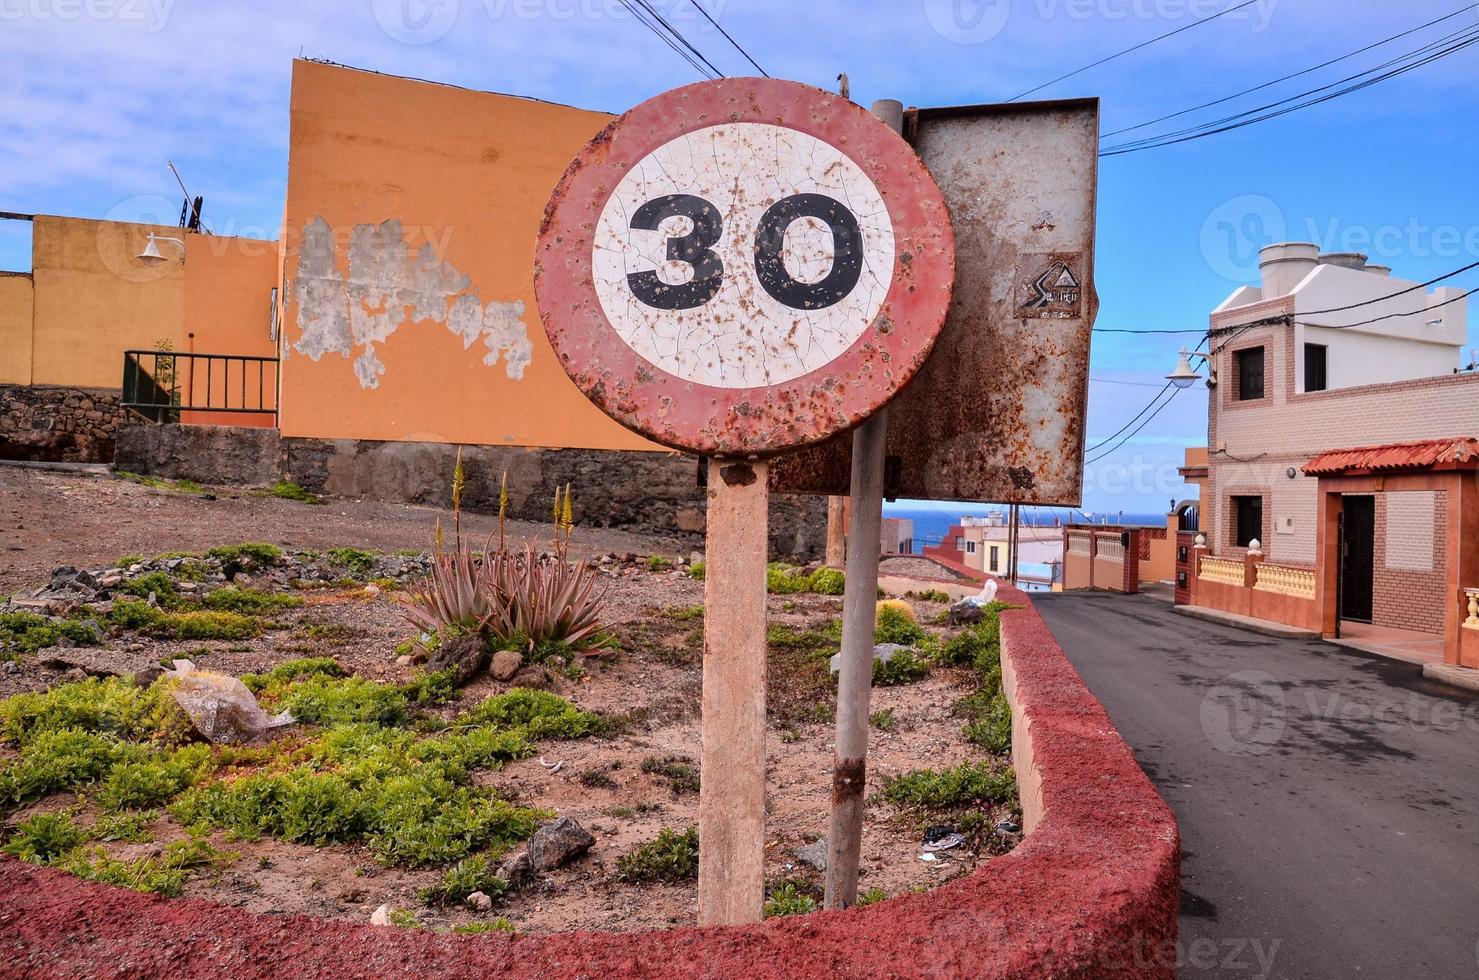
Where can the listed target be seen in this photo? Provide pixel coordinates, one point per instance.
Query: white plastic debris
(221, 708)
(987, 596)
(381, 916)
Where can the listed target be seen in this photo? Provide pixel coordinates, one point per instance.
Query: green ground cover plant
(28, 632)
(671, 856)
(789, 899)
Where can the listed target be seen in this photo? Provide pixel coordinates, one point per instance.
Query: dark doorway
(1357, 557)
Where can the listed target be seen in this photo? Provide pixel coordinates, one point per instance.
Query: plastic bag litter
(221, 708)
(987, 596)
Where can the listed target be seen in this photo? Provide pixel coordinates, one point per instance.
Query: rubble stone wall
(639, 491)
(58, 424)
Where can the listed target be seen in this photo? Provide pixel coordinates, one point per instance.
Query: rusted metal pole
(855, 673)
(731, 805)
(836, 531)
(855, 670)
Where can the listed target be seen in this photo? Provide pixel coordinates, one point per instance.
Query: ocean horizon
(933, 519)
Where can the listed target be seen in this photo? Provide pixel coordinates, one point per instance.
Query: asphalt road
(1328, 800)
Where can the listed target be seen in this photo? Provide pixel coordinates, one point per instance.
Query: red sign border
(745, 421)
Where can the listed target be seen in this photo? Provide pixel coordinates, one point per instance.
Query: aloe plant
(528, 597)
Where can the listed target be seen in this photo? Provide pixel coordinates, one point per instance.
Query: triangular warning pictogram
(1066, 280)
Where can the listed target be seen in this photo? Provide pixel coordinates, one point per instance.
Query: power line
(1425, 49)
(1142, 44)
(1116, 446)
(1122, 428)
(637, 13)
(1467, 8)
(731, 40)
(1128, 384)
(1389, 316)
(1145, 332)
(1400, 292)
(647, 6)
(1239, 121)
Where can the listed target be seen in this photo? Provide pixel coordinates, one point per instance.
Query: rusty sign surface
(743, 266)
(997, 412)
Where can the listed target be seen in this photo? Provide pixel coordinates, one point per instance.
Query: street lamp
(151, 252)
(1185, 375)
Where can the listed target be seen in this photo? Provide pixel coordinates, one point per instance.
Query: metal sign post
(737, 268)
(855, 668)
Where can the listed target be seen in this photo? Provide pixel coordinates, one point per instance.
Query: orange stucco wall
(94, 298)
(15, 329)
(90, 298)
(228, 310)
(405, 198)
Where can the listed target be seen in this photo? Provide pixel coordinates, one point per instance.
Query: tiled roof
(1433, 453)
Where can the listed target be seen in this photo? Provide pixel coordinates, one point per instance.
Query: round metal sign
(744, 266)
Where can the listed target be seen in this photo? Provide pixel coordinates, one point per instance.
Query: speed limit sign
(737, 268)
(744, 266)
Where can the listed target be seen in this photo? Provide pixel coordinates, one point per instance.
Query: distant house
(1331, 354)
(984, 544)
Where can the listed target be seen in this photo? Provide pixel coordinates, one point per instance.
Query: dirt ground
(89, 520)
(653, 683)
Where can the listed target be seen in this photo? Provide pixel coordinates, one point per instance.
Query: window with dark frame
(1249, 515)
(1316, 365)
(995, 559)
(1250, 374)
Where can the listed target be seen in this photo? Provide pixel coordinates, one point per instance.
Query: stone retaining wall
(1092, 891)
(651, 492)
(58, 425)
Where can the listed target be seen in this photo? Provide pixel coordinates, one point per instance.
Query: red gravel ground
(1091, 892)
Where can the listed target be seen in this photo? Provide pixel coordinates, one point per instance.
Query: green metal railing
(160, 385)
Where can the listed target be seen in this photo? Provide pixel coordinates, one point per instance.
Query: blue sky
(97, 94)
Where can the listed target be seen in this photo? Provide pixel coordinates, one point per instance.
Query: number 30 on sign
(730, 279)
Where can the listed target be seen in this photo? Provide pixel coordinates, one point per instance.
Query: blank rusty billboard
(997, 412)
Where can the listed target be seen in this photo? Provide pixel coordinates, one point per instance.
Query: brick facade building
(1331, 355)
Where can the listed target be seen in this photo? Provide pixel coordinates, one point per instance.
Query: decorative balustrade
(1111, 547)
(1223, 571)
(1283, 580)
(1079, 544)
(1473, 621)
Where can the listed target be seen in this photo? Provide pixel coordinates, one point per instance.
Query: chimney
(1379, 270)
(1284, 266)
(1346, 260)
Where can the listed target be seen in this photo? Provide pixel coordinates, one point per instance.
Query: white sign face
(743, 255)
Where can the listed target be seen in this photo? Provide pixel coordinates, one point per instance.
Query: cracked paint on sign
(741, 336)
(384, 287)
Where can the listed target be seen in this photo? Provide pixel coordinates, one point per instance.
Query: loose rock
(558, 843)
(505, 664)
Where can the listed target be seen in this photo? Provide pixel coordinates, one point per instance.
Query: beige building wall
(94, 298)
(16, 310)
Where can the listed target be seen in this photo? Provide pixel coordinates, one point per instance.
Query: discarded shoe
(942, 838)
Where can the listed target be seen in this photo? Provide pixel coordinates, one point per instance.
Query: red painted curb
(1092, 891)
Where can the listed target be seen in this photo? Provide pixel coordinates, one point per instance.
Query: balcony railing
(1223, 571)
(163, 385)
(1473, 621)
(1284, 580)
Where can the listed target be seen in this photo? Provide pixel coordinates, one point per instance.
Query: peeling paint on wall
(385, 287)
